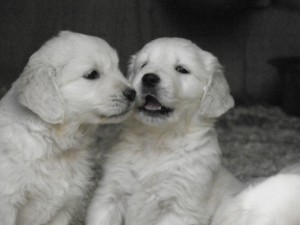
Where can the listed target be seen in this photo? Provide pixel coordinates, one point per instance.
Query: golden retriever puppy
(272, 201)
(166, 168)
(47, 119)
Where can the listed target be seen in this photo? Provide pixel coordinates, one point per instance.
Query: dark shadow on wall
(26, 24)
(244, 35)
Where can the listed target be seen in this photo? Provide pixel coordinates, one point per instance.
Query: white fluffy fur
(275, 201)
(166, 168)
(46, 125)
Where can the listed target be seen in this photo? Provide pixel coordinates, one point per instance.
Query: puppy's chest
(65, 172)
(153, 161)
(68, 164)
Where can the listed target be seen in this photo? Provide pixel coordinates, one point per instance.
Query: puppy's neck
(72, 131)
(164, 133)
(181, 128)
(156, 141)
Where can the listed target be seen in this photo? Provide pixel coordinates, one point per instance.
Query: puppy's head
(176, 80)
(75, 77)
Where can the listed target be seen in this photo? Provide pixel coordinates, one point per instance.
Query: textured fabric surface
(258, 141)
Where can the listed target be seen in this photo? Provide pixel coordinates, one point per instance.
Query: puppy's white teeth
(152, 104)
(153, 107)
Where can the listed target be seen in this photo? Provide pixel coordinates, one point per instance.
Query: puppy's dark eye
(182, 70)
(144, 65)
(92, 75)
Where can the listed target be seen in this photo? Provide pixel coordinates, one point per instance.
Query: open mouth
(153, 107)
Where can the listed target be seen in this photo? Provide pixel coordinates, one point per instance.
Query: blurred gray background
(257, 41)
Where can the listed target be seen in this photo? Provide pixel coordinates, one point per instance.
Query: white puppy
(268, 201)
(275, 201)
(47, 118)
(166, 168)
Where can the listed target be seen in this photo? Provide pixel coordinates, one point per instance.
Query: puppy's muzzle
(150, 80)
(129, 94)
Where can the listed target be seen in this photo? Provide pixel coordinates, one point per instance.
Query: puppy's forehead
(169, 49)
(68, 45)
(96, 49)
(106, 58)
(169, 42)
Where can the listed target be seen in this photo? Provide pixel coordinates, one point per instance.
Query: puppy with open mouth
(166, 168)
(47, 123)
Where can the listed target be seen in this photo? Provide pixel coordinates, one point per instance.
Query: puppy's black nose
(129, 94)
(150, 79)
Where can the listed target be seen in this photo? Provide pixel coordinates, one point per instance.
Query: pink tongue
(152, 106)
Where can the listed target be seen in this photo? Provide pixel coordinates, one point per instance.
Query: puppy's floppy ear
(40, 94)
(216, 99)
(131, 66)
